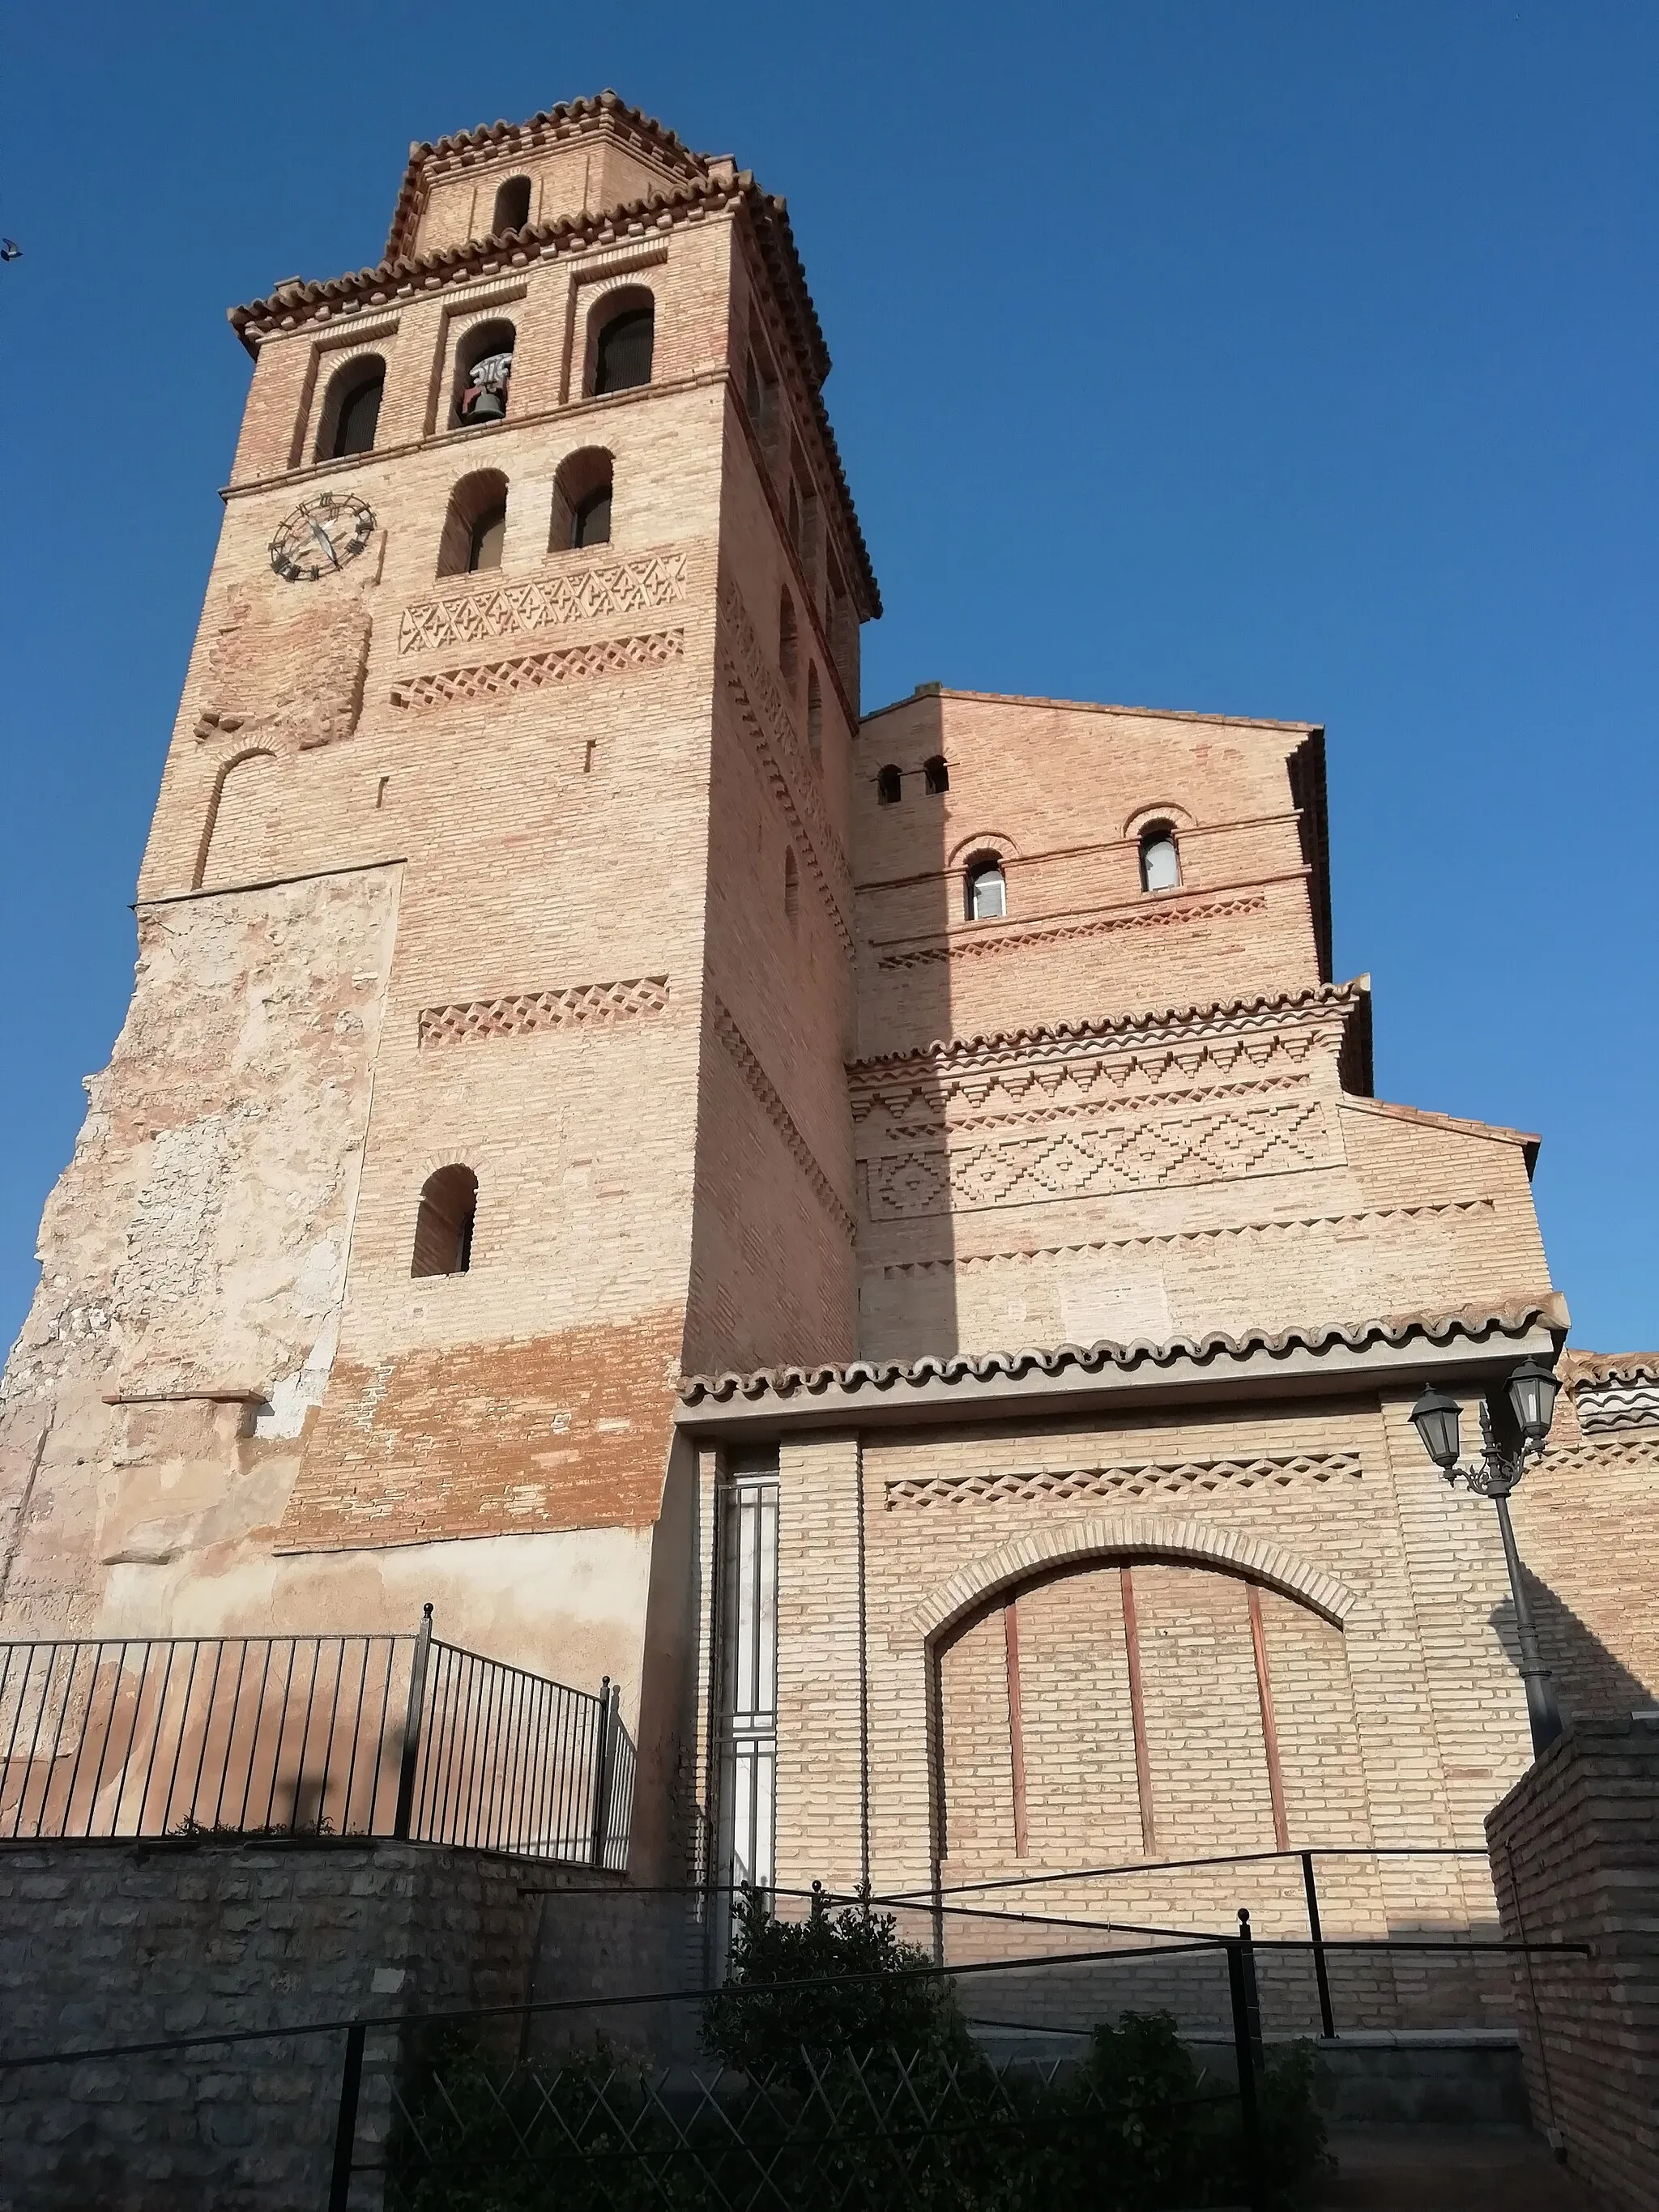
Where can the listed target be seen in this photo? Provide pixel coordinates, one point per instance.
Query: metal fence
(348, 1736)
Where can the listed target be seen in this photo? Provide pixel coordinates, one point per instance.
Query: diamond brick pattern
(623, 588)
(493, 679)
(1134, 1479)
(580, 1005)
(1083, 1162)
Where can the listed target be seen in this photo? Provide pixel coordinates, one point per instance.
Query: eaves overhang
(1474, 1346)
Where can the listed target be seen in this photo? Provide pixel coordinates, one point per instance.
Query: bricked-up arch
(583, 490)
(475, 526)
(621, 340)
(486, 349)
(238, 829)
(351, 408)
(1120, 1536)
(443, 1223)
(1141, 1706)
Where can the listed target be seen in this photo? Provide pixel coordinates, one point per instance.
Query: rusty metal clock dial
(319, 537)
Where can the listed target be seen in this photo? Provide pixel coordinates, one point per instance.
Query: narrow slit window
(791, 888)
(814, 711)
(787, 643)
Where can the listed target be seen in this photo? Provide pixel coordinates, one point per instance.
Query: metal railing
(434, 2065)
(309, 1735)
(1319, 1945)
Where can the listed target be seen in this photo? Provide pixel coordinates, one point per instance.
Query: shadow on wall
(912, 892)
(1590, 1683)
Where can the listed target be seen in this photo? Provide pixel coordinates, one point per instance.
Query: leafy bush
(854, 2087)
(841, 1981)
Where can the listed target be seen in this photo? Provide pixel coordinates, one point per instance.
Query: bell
(488, 406)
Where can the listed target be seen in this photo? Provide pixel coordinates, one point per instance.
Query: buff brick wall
(1059, 791)
(1387, 1736)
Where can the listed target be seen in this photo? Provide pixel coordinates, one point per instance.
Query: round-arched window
(1160, 858)
(986, 889)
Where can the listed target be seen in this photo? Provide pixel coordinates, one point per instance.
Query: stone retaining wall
(120, 1942)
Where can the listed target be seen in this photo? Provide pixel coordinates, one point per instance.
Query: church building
(871, 1229)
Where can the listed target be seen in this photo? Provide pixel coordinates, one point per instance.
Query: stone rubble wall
(123, 1942)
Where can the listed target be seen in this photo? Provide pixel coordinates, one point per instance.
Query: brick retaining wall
(1575, 1857)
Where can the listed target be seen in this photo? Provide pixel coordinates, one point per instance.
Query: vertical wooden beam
(1138, 1717)
(1264, 1690)
(1016, 1726)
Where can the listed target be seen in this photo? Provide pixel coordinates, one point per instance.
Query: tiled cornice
(997, 1382)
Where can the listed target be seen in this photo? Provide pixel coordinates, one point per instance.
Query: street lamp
(1531, 1392)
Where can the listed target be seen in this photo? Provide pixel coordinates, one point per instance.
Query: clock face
(319, 537)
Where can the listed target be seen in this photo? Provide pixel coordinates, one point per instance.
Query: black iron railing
(365, 1736)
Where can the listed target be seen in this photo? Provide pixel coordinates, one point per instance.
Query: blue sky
(1282, 360)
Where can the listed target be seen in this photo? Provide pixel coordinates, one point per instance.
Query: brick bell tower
(484, 1064)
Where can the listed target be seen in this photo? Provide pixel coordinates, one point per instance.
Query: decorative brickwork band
(1130, 1479)
(1083, 1162)
(580, 1006)
(1263, 1232)
(496, 679)
(1607, 1407)
(977, 944)
(623, 587)
(1091, 1079)
(758, 1082)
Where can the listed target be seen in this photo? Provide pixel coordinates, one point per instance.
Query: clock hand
(320, 533)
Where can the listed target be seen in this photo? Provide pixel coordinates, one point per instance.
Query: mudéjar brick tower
(877, 1236)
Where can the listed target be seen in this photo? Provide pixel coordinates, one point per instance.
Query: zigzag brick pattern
(1084, 1161)
(625, 588)
(1137, 1478)
(493, 679)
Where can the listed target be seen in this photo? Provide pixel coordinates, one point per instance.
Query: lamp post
(1531, 1392)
